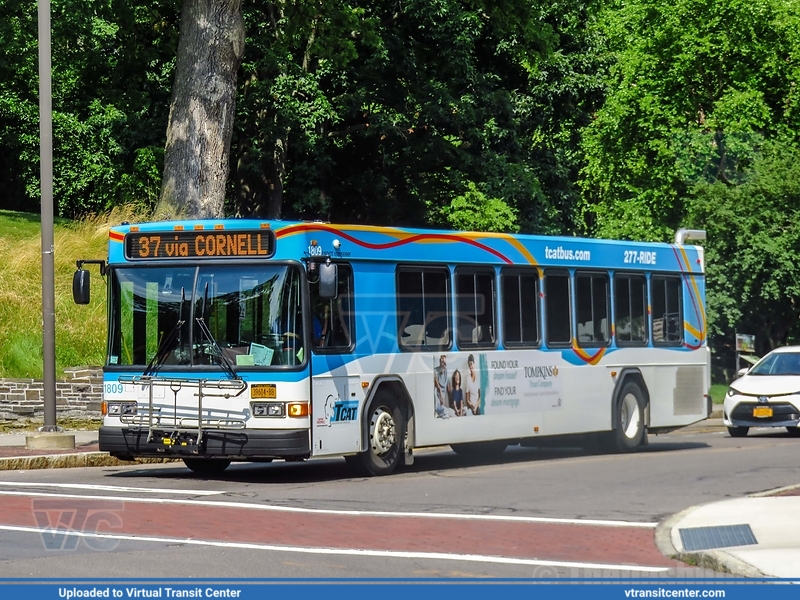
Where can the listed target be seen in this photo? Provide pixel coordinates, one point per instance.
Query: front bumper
(784, 414)
(242, 444)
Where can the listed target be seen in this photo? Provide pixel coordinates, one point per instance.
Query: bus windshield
(193, 316)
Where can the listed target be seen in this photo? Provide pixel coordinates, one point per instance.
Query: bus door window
(557, 308)
(591, 307)
(665, 299)
(332, 319)
(423, 308)
(520, 298)
(475, 308)
(630, 309)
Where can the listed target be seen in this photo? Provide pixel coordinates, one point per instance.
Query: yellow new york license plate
(264, 390)
(762, 411)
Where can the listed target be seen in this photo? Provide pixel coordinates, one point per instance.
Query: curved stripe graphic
(591, 359)
(441, 237)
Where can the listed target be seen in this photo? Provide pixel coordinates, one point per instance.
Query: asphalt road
(547, 512)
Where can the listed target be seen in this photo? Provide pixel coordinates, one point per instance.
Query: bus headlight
(267, 409)
(117, 409)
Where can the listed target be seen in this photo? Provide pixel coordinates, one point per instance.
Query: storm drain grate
(706, 538)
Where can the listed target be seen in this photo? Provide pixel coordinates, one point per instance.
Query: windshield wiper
(226, 365)
(223, 361)
(167, 343)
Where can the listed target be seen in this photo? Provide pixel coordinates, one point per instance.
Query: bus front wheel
(629, 428)
(207, 466)
(386, 435)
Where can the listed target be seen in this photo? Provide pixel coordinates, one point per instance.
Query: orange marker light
(297, 409)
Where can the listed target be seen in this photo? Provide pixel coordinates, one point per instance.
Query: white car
(766, 395)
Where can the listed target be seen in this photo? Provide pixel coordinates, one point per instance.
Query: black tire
(207, 466)
(629, 428)
(738, 431)
(793, 431)
(484, 450)
(386, 432)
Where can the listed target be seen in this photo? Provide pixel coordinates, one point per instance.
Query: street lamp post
(49, 436)
(48, 245)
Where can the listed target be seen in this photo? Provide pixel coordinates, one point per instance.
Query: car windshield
(193, 316)
(778, 363)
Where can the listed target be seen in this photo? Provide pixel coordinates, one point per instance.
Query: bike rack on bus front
(182, 424)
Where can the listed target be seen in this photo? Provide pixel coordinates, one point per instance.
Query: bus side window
(630, 309)
(520, 301)
(665, 299)
(557, 304)
(475, 307)
(423, 308)
(592, 300)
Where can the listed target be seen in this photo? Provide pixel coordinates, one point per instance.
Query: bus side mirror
(80, 287)
(328, 281)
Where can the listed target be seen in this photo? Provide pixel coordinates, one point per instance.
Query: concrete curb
(66, 461)
(716, 560)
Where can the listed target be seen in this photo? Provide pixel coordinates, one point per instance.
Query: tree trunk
(197, 153)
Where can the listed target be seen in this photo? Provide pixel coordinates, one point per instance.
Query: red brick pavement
(543, 541)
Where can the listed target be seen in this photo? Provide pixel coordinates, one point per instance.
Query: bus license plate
(264, 390)
(762, 411)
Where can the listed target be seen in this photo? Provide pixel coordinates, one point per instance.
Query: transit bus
(256, 340)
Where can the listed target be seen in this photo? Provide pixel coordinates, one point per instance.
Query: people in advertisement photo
(458, 394)
(472, 388)
(441, 390)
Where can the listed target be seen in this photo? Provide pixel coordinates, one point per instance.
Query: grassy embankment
(80, 330)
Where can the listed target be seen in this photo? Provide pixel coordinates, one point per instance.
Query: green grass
(80, 330)
(718, 392)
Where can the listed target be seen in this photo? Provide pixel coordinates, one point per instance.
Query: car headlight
(731, 392)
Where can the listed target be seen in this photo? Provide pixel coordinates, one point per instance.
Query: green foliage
(110, 80)
(473, 211)
(382, 112)
(752, 248)
(694, 90)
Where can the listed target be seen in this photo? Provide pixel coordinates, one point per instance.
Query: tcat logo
(339, 411)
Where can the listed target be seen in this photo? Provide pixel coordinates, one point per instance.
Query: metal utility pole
(48, 246)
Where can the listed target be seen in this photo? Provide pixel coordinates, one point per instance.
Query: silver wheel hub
(382, 432)
(630, 416)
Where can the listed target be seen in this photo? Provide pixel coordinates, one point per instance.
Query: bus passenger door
(336, 407)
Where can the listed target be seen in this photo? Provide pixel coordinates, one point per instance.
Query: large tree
(202, 110)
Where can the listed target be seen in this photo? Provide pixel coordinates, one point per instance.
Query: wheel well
(630, 375)
(397, 387)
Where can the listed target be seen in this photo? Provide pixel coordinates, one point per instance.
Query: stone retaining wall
(78, 396)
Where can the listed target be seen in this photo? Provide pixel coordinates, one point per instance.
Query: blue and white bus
(250, 340)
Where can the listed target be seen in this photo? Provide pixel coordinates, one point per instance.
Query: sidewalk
(14, 456)
(755, 536)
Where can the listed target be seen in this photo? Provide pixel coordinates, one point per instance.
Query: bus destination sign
(152, 245)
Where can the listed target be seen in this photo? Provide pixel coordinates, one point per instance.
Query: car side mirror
(328, 281)
(743, 371)
(80, 286)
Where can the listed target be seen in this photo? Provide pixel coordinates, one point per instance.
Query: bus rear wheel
(207, 466)
(386, 436)
(629, 430)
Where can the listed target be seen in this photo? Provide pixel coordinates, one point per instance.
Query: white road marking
(343, 551)
(112, 488)
(322, 511)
